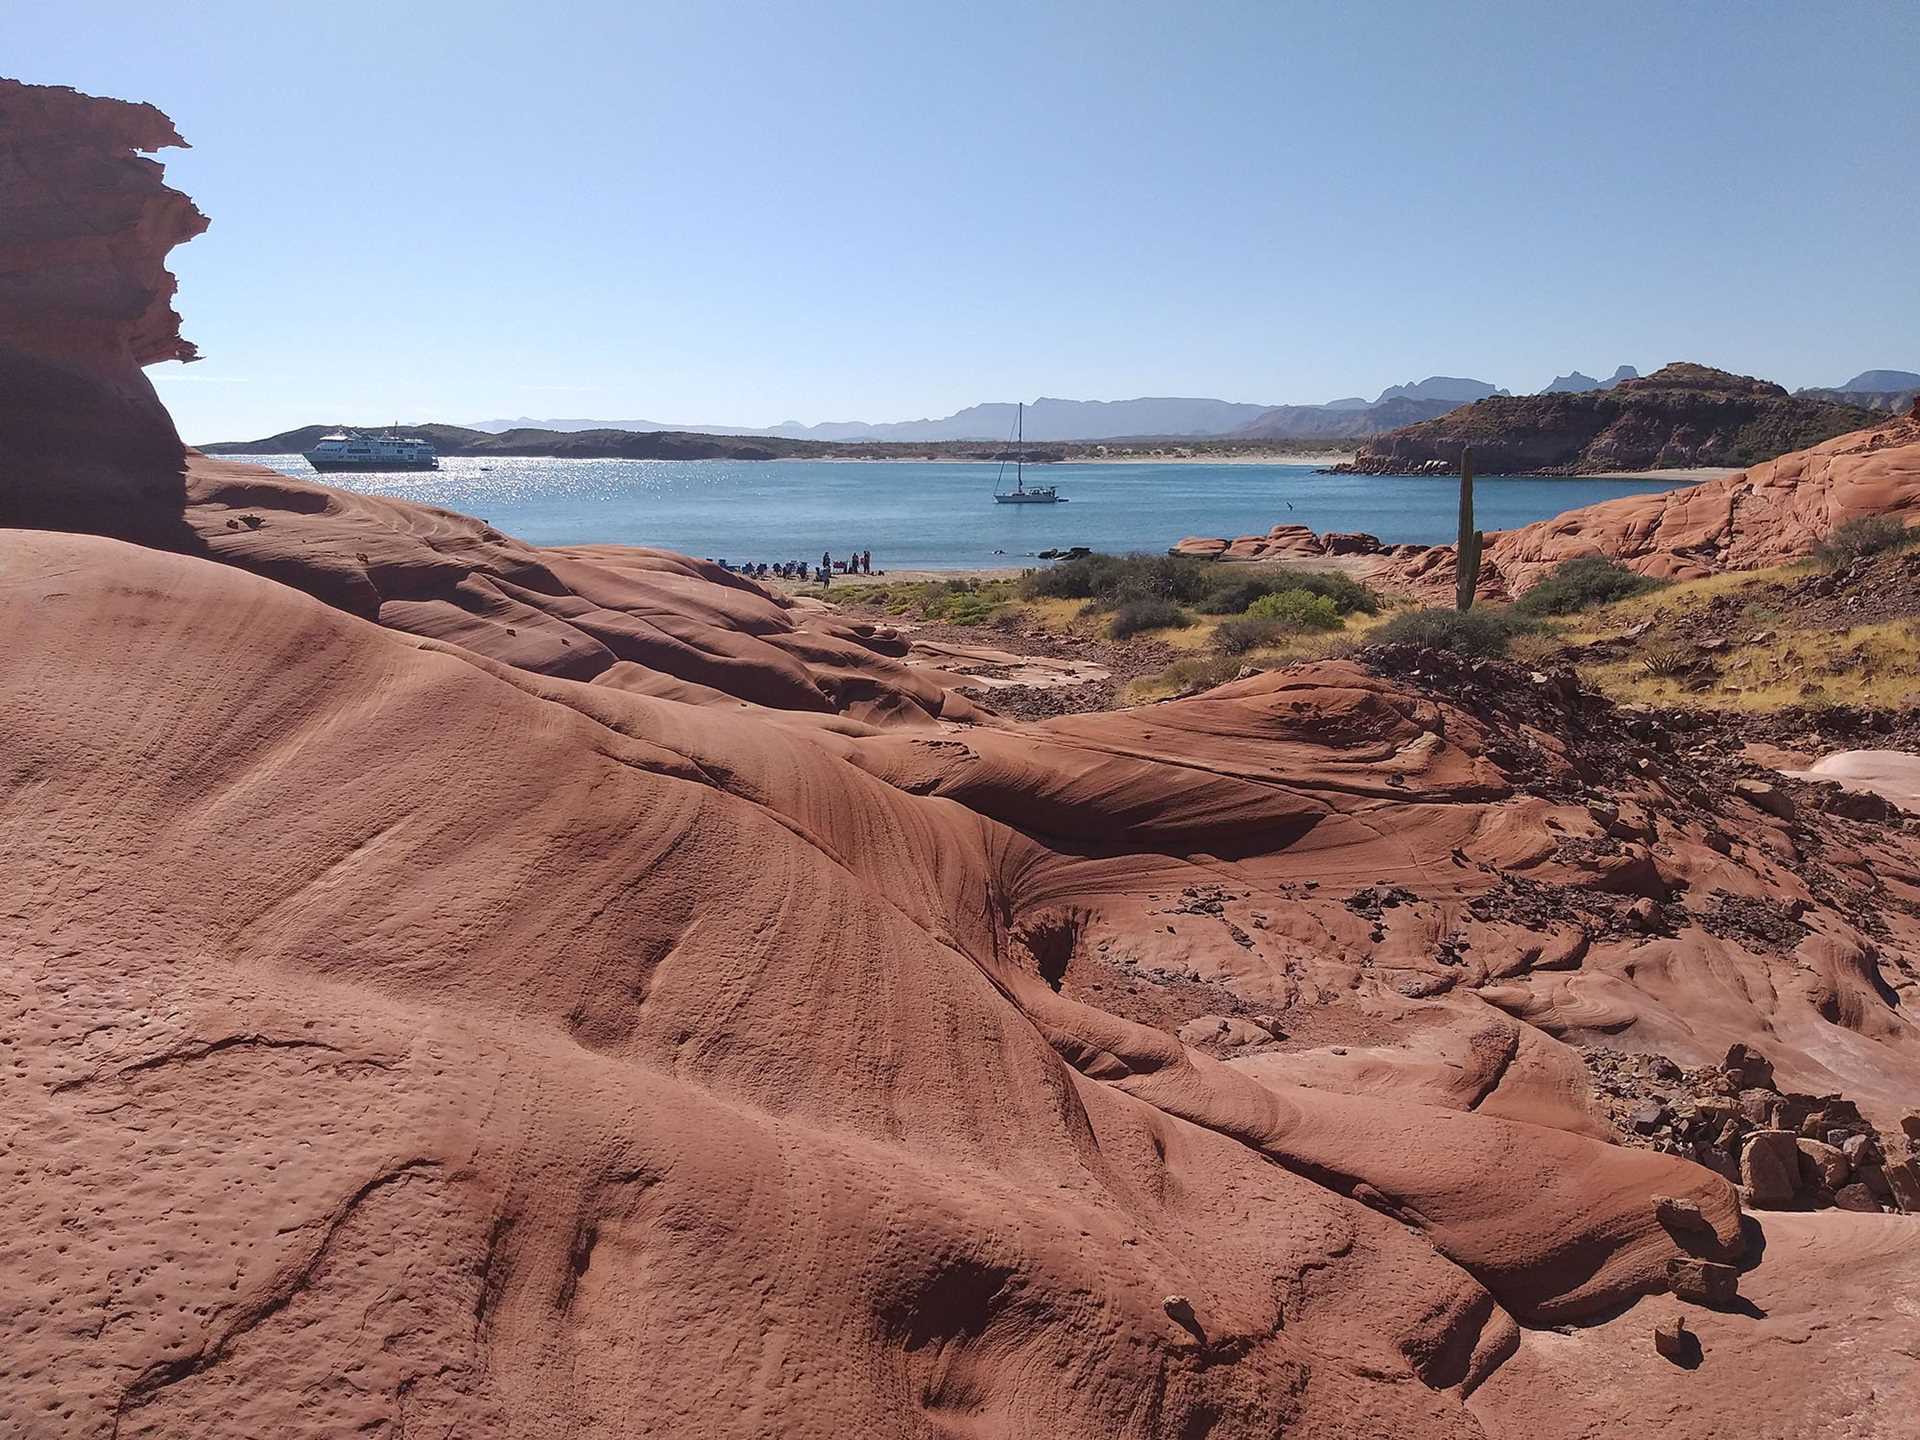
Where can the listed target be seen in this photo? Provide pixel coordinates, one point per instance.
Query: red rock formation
(454, 986)
(85, 301)
(1767, 515)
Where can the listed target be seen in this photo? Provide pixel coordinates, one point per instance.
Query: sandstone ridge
(1768, 514)
(453, 986)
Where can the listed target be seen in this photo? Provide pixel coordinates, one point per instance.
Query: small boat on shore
(357, 450)
(1022, 493)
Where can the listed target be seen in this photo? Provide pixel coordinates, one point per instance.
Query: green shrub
(1483, 631)
(961, 601)
(1580, 584)
(967, 610)
(1237, 637)
(1296, 610)
(1112, 580)
(1147, 613)
(1231, 591)
(1860, 537)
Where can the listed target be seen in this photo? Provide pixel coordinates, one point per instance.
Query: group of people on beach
(860, 562)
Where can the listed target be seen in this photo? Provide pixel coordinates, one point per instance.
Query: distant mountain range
(1882, 382)
(1440, 387)
(1578, 384)
(1891, 390)
(1344, 421)
(1046, 419)
(1071, 421)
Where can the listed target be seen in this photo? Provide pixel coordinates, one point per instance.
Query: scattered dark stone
(1677, 1343)
(1859, 805)
(1856, 1197)
(1766, 796)
(1703, 1282)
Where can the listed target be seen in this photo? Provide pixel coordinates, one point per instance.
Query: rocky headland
(1765, 515)
(454, 986)
(1682, 415)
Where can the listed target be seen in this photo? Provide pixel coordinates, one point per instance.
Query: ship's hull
(1026, 499)
(326, 463)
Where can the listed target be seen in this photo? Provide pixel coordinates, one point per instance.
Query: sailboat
(1022, 493)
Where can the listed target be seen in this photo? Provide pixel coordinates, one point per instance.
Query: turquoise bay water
(941, 516)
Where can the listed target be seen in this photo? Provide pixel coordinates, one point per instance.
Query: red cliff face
(86, 222)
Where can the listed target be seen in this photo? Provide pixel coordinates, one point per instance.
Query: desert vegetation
(1861, 537)
(1484, 632)
(1582, 583)
(1144, 593)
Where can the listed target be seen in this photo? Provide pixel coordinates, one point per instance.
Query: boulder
(1910, 1126)
(1903, 1178)
(1822, 1165)
(1756, 1107)
(1351, 542)
(1874, 1177)
(1763, 795)
(1859, 1150)
(1717, 1108)
(1749, 1069)
(1860, 805)
(1856, 1197)
(1840, 1110)
(1770, 1167)
(1703, 1282)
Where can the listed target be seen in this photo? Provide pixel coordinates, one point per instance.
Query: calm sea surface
(942, 516)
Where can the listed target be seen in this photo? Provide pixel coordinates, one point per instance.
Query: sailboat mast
(1019, 445)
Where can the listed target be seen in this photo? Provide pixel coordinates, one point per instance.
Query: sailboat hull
(1027, 499)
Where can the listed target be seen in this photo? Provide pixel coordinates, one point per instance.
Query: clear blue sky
(750, 213)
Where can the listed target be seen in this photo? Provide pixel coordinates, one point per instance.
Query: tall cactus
(1466, 556)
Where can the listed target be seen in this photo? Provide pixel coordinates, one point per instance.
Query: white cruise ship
(357, 450)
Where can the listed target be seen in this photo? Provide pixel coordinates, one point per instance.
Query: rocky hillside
(580, 444)
(1681, 415)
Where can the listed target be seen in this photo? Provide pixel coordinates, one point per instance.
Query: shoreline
(1678, 475)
